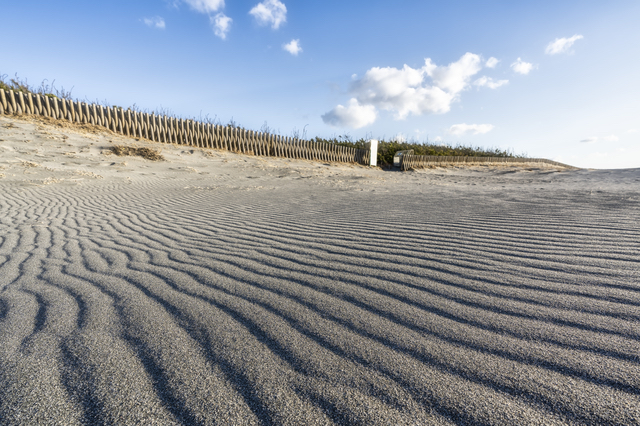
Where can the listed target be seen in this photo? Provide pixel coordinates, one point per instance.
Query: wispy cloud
(491, 62)
(592, 139)
(221, 24)
(270, 12)
(477, 129)
(611, 138)
(561, 45)
(205, 6)
(522, 67)
(485, 81)
(155, 22)
(353, 115)
(293, 47)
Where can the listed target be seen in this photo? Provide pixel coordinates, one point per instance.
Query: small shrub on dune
(146, 153)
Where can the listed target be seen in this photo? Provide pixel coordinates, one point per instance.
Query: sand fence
(164, 129)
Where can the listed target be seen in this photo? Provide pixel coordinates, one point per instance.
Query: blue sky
(554, 79)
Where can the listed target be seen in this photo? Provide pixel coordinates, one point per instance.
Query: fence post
(372, 145)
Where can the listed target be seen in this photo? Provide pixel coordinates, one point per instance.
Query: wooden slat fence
(160, 128)
(409, 162)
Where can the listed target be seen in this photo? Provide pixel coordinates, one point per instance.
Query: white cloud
(354, 115)
(491, 62)
(485, 81)
(438, 139)
(454, 77)
(410, 91)
(293, 47)
(522, 67)
(592, 139)
(221, 24)
(155, 22)
(611, 138)
(406, 91)
(401, 91)
(205, 6)
(477, 129)
(561, 45)
(632, 131)
(271, 12)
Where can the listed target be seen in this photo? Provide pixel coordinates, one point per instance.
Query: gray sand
(214, 288)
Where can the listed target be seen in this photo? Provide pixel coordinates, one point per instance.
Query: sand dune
(214, 288)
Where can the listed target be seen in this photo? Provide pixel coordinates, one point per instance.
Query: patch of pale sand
(219, 288)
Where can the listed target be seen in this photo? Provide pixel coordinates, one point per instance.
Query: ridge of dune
(216, 288)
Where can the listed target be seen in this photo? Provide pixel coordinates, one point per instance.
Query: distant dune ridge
(216, 288)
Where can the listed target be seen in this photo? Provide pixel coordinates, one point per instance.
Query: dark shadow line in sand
(461, 320)
(495, 233)
(607, 353)
(492, 282)
(534, 362)
(419, 260)
(499, 387)
(158, 379)
(462, 301)
(441, 409)
(239, 381)
(550, 405)
(40, 319)
(430, 309)
(4, 308)
(141, 220)
(93, 410)
(496, 283)
(602, 352)
(280, 351)
(83, 311)
(412, 235)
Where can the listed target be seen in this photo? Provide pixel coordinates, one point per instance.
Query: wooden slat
(21, 102)
(3, 99)
(28, 100)
(12, 102)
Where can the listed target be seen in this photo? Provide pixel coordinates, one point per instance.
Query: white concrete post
(373, 149)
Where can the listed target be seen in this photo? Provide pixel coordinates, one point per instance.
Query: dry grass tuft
(147, 153)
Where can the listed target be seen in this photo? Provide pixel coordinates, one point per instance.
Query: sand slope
(214, 288)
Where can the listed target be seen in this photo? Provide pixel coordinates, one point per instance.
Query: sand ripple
(163, 302)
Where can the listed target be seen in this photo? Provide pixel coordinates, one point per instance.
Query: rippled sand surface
(213, 288)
